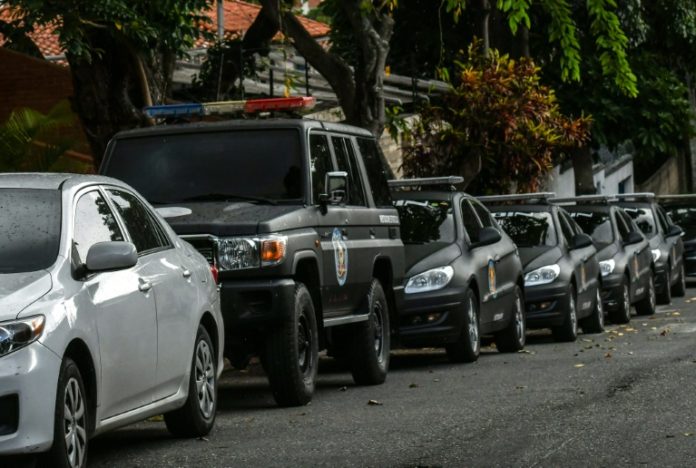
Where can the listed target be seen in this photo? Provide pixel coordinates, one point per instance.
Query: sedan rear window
(528, 228)
(29, 229)
(424, 221)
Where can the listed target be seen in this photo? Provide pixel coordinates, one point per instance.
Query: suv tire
(197, 416)
(291, 357)
(468, 345)
(568, 331)
(646, 306)
(623, 313)
(679, 288)
(595, 322)
(514, 336)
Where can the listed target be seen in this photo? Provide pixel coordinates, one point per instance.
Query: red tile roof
(238, 17)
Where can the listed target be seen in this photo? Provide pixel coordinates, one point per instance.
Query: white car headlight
(607, 266)
(19, 333)
(656, 254)
(241, 253)
(430, 280)
(544, 275)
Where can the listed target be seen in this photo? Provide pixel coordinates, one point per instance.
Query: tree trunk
(582, 166)
(484, 25)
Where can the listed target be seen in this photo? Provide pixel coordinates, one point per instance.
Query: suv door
(166, 272)
(124, 313)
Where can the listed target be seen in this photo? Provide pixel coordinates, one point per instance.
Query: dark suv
(297, 217)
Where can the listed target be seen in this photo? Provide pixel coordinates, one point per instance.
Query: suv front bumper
(249, 303)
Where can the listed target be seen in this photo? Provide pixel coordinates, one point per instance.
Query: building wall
(667, 180)
(615, 179)
(562, 183)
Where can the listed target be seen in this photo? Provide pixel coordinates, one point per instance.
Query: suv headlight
(656, 254)
(544, 275)
(19, 333)
(241, 253)
(430, 280)
(607, 266)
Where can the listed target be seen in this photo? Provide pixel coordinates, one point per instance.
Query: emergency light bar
(635, 196)
(683, 196)
(541, 196)
(585, 199)
(419, 182)
(248, 106)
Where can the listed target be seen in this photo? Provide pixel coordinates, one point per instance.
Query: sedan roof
(52, 181)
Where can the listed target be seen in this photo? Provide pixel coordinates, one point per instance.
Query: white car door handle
(186, 274)
(144, 286)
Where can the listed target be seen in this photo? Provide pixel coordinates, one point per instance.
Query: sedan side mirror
(633, 238)
(111, 256)
(336, 184)
(674, 231)
(580, 241)
(488, 236)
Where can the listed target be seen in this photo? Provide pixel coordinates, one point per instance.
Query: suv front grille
(205, 245)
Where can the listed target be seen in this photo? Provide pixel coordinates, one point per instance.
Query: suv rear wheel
(291, 355)
(468, 346)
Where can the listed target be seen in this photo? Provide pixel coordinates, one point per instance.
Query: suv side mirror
(580, 241)
(674, 231)
(336, 184)
(633, 238)
(488, 236)
(111, 256)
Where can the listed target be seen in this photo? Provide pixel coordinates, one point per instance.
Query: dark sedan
(464, 275)
(623, 253)
(665, 243)
(562, 276)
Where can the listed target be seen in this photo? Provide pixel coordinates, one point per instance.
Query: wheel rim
(205, 379)
(651, 294)
(682, 278)
(378, 327)
(627, 302)
(519, 320)
(304, 345)
(572, 316)
(74, 428)
(600, 310)
(473, 327)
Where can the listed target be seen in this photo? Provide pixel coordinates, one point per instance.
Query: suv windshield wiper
(229, 196)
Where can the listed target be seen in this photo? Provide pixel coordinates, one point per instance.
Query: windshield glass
(684, 217)
(426, 221)
(596, 224)
(29, 229)
(253, 165)
(528, 228)
(644, 218)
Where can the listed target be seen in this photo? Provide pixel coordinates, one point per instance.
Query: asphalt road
(622, 398)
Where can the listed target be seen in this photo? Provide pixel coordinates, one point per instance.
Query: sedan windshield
(262, 166)
(29, 229)
(596, 224)
(684, 217)
(528, 228)
(644, 218)
(426, 221)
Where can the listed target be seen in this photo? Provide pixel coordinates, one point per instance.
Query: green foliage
(498, 119)
(32, 141)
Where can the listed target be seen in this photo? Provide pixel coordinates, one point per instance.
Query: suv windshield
(254, 165)
(685, 217)
(596, 224)
(424, 221)
(29, 229)
(644, 218)
(528, 228)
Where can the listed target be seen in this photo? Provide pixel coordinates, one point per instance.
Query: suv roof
(240, 124)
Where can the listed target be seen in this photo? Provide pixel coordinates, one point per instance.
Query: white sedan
(106, 318)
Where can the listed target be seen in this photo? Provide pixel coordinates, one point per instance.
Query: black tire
(71, 395)
(623, 313)
(665, 296)
(197, 417)
(646, 306)
(291, 355)
(366, 345)
(595, 322)
(514, 336)
(679, 288)
(568, 331)
(468, 345)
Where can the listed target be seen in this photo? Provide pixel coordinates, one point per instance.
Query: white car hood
(19, 290)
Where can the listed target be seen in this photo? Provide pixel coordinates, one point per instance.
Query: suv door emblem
(340, 256)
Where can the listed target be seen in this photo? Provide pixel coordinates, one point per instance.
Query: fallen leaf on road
(620, 334)
(158, 418)
(664, 332)
(374, 403)
(436, 380)
(630, 353)
(587, 340)
(653, 328)
(526, 351)
(676, 314)
(521, 387)
(579, 365)
(688, 434)
(669, 436)
(413, 385)
(630, 329)
(608, 355)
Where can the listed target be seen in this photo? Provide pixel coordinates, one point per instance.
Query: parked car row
(280, 239)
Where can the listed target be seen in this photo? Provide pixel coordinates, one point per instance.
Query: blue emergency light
(249, 106)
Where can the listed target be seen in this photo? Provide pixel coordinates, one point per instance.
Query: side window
(94, 223)
(320, 162)
(144, 229)
(663, 219)
(566, 227)
(378, 172)
(624, 229)
(345, 158)
(632, 226)
(471, 221)
(483, 214)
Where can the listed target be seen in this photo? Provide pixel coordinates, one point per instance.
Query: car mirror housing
(633, 238)
(488, 236)
(674, 231)
(111, 256)
(580, 241)
(336, 184)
